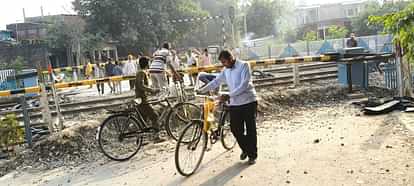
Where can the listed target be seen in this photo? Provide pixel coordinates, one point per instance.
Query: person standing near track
(89, 72)
(351, 42)
(162, 60)
(243, 102)
(117, 72)
(99, 71)
(109, 70)
(130, 69)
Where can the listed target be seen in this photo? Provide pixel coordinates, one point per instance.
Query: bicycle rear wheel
(227, 138)
(179, 116)
(190, 148)
(119, 138)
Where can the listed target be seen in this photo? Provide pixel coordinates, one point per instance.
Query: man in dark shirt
(109, 69)
(141, 91)
(351, 42)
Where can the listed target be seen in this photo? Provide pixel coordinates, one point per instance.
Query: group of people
(111, 68)
(165, 63)
(241, 98)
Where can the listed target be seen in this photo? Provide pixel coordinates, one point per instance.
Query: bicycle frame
(209, 106)
(167, 107)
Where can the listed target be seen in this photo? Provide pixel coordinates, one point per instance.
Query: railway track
(282, 76)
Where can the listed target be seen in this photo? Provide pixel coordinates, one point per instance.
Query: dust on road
(328, 145)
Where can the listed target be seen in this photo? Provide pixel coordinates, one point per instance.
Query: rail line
(282, 76)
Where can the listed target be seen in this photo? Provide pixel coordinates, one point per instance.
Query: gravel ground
(307, 136)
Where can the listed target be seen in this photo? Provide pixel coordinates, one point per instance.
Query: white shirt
(130, 68)
(175, 62)
(238, 79)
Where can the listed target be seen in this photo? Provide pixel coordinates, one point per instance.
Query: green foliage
(138, 24)
(262, 16)
(335, 32)
(290, 36)
(10, 132)
(360, 24)
(310, 36)
(17, 64)
(400, 24)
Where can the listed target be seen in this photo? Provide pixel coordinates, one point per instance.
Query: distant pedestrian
(351, 42)
(175, 62)
(205, 58)
(99, 72)
(117, 71)
(195, 58)
(109, 69)
(130, 69)
(89, 72)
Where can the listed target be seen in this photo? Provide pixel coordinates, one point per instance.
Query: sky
(12, 11)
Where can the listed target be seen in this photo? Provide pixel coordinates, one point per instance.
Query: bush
(10, 131)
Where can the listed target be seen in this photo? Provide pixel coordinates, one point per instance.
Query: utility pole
(245, 25)
(244, 5)
(232, 17)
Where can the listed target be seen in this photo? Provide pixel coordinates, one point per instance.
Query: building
(34, 31)
(28, 31)
(319, 17)
(5, 35)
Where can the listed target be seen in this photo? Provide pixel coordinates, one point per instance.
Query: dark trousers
(243, 127)
(148, 113)
(101, 88)
(131, 84)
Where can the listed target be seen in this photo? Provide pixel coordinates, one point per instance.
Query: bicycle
(197, 133)
(121, 135)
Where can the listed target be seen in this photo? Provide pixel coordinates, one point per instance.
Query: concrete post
(44, 104)
(99, 56)
(93, 56)
(28, 131)
(296, 78)
(116, 53)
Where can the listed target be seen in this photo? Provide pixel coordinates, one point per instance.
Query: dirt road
(330, 145)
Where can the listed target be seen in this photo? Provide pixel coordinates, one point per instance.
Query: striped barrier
(290, 60)
(72, 68)
(278, 61)
(36, 89)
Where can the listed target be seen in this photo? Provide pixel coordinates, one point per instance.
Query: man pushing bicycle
(243, 102)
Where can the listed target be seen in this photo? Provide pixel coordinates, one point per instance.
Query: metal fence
(7, 78)
(374, 44)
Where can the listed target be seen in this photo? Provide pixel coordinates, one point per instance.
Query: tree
(17, 64)
(290, 36)
(360, 24)
(210, 32)
(66, 36)
(401, 25)
(310, 36)
(261, 17)
(138, 24)
(335, 32)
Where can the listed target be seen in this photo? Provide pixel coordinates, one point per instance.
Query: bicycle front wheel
(179, 116)
(119, 138)
(227, 138)
(190, 148)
